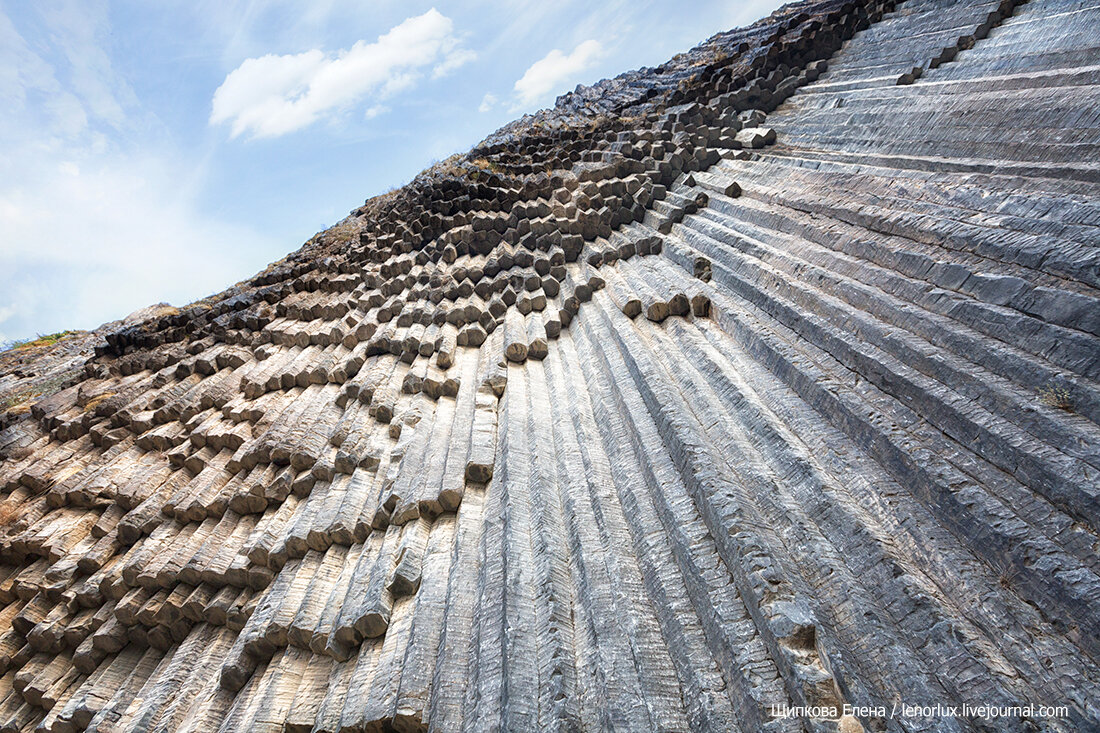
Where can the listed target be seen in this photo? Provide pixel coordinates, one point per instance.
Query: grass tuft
(41, 341)
(1057, 396)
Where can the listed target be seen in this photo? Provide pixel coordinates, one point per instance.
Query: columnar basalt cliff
(766, 378)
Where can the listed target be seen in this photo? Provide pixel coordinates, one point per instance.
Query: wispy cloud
(374, 111)
(487, 102)
(554, 69)
(454, 60)
(94, 220)
(126, 239)
(273, 95)
(92, 77)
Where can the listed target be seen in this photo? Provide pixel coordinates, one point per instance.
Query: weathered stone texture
(767, 377)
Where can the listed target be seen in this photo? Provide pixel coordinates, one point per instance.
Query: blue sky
(161, 151)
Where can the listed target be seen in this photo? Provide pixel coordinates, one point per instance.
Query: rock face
(769, 377)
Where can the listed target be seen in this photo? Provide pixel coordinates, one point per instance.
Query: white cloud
(456, 59)
(88, 243)
(79, 26)
(21, 69)
(555, 68)
(272, 95)
(95, 223)
(487, 103)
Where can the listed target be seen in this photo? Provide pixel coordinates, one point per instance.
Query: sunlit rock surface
(766, 378)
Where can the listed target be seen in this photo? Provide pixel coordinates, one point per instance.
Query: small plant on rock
(1056, 395)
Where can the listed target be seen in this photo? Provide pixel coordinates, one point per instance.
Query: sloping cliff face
(765, 378)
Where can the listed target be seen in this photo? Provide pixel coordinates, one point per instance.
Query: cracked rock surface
(767, 377)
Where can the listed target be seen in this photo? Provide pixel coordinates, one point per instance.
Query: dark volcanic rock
(766, 378)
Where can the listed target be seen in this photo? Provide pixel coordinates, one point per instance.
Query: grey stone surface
(757, 379)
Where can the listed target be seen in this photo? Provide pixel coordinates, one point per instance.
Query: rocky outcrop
(766, 378)
(38, 368)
